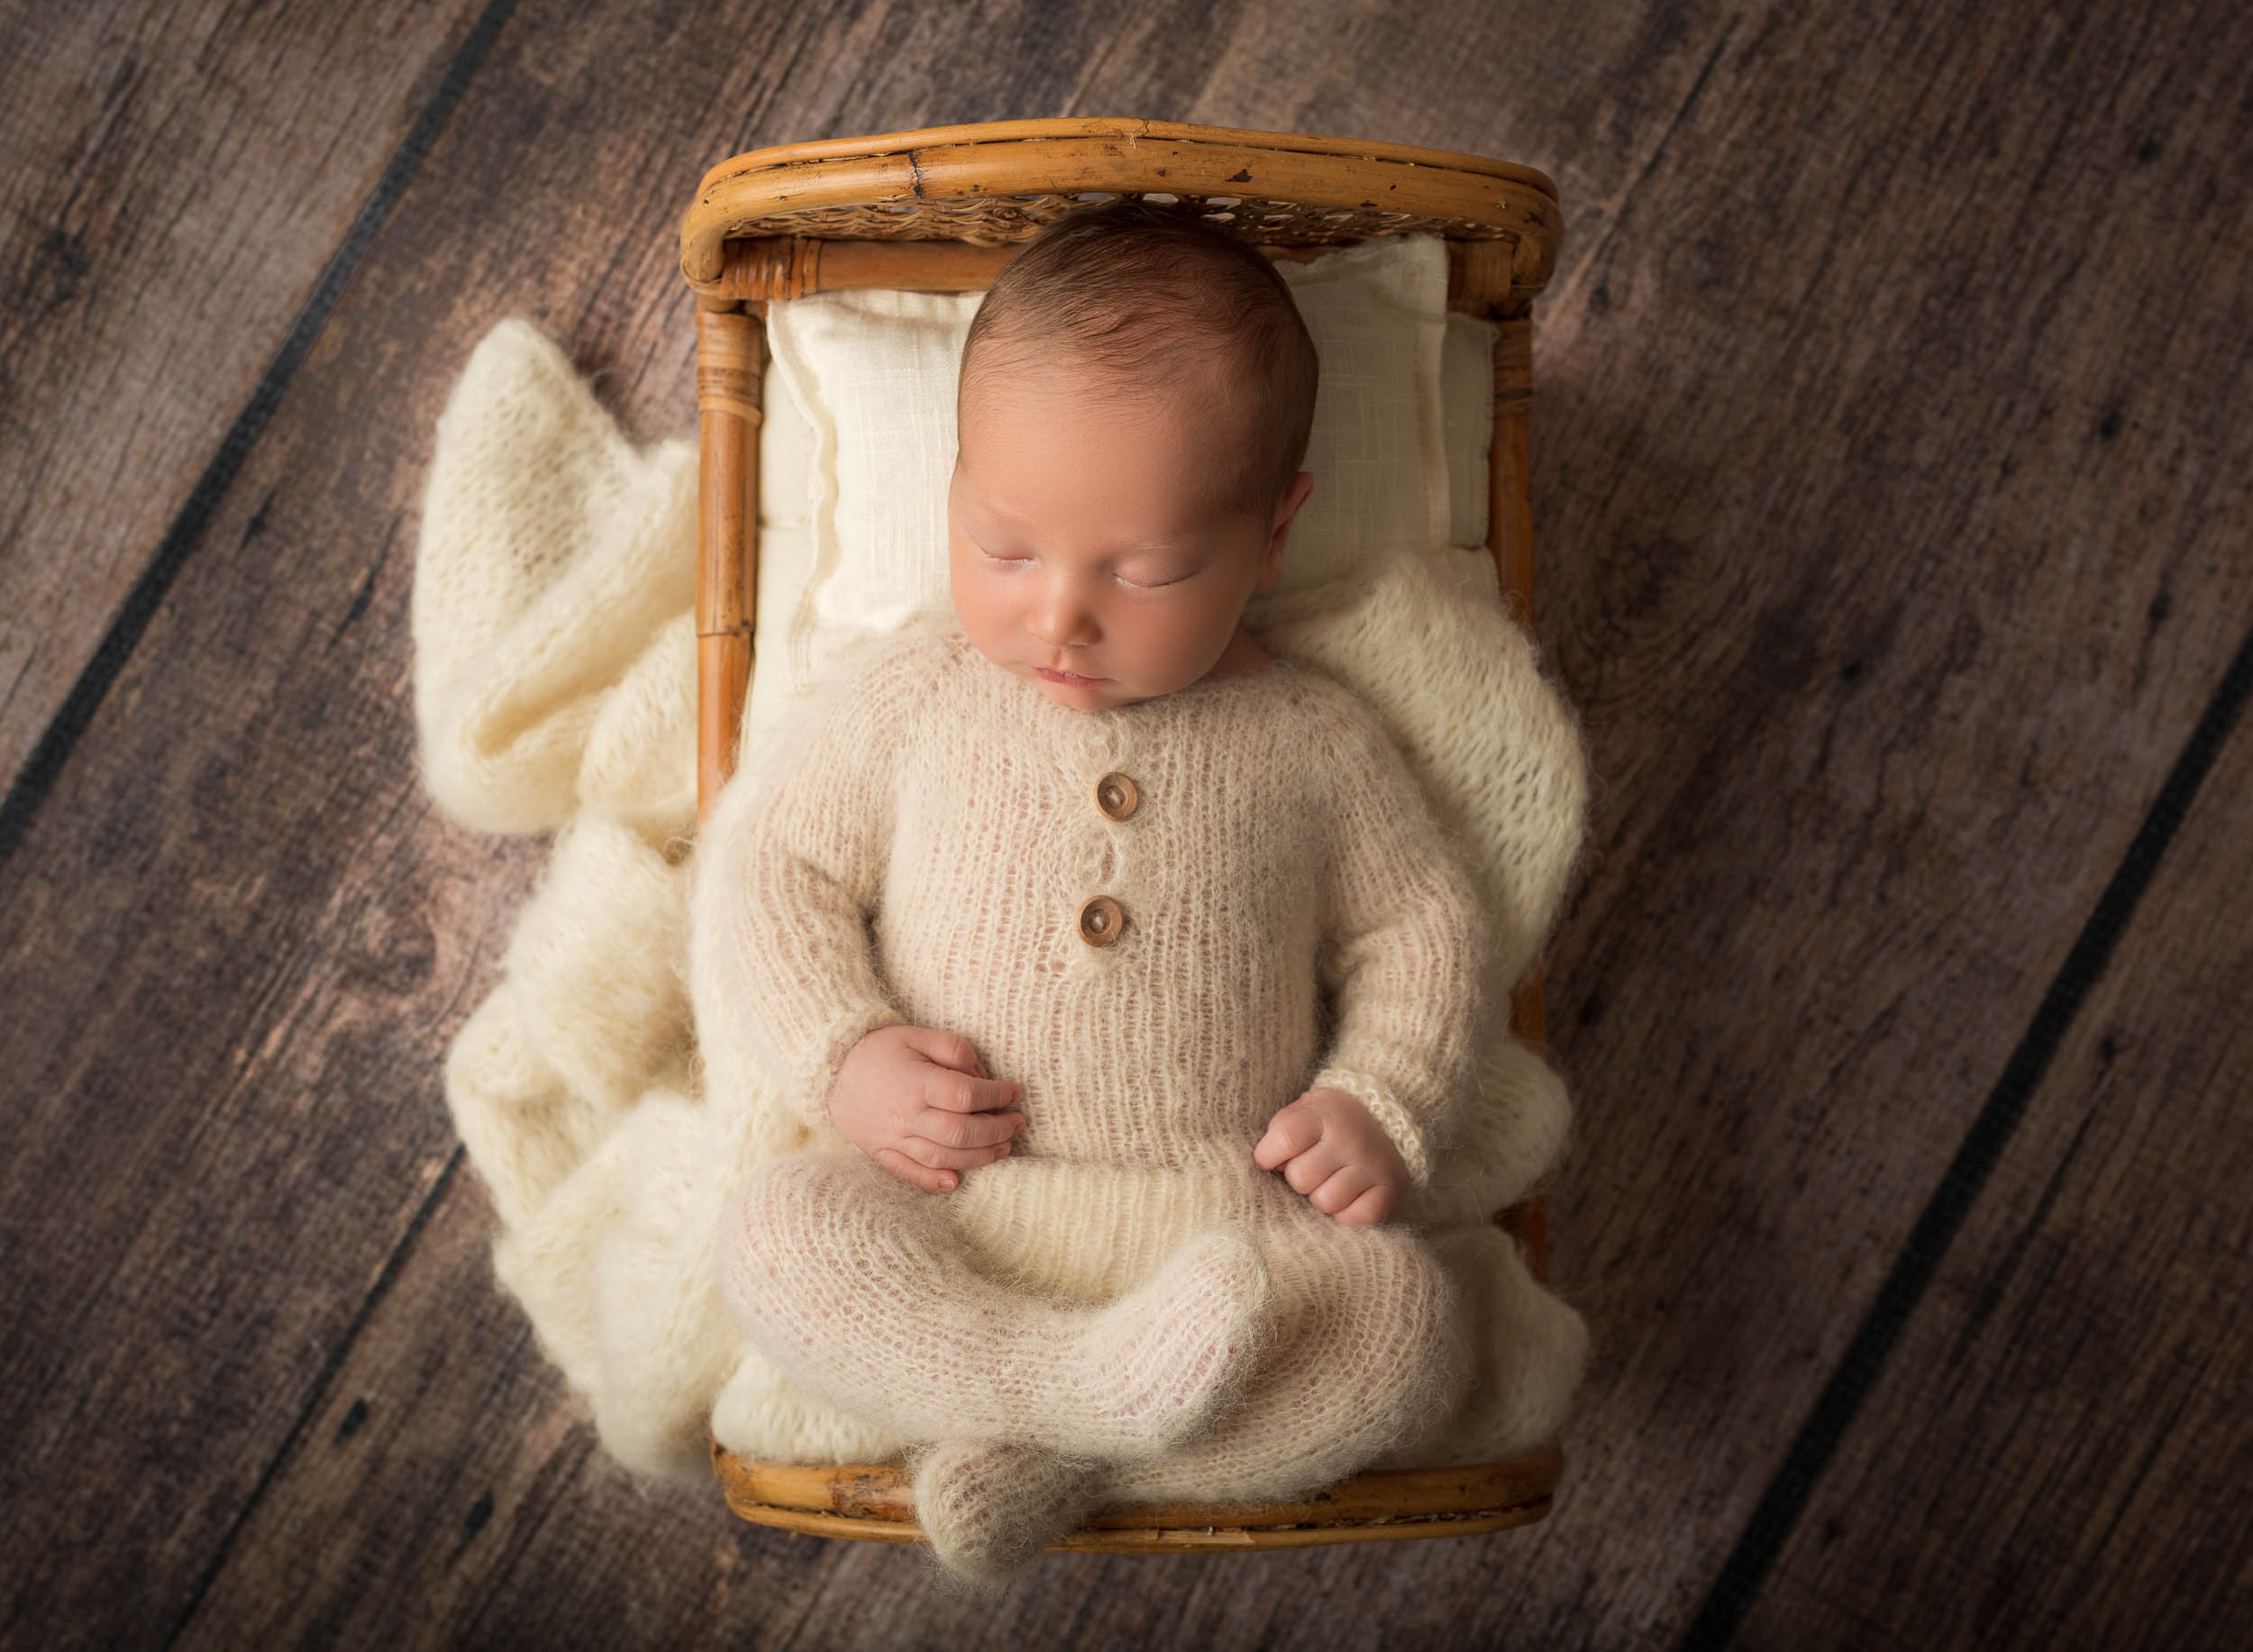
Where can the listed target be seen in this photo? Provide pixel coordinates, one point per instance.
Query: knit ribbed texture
(556, 692)
(922, 849)
(1269, 1354)
(1278, 847)
(850, 1280)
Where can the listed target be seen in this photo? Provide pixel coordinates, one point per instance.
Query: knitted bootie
(1164, 1360)
(991, 1508)
(862, 1298)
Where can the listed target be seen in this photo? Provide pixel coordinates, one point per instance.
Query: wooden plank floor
(1896, 412)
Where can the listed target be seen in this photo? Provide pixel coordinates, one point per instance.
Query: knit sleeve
(1405, 954)
(792, 866)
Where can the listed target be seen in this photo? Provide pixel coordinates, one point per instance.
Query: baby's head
(1134, 402)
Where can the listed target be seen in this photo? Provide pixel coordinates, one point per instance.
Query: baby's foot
(990, 1508)
(1162, 1361)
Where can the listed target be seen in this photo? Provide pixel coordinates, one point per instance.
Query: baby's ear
(1272, 555)
(1291, 498)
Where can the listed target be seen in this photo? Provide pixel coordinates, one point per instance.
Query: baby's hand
(919, 1102)
(1335, 1153)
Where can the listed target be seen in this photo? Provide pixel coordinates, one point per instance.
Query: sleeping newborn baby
(1131, 960)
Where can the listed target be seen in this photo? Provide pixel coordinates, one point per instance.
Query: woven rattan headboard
(991, 186)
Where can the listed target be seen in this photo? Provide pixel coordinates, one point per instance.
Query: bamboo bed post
(1483, 288)
(728, 417)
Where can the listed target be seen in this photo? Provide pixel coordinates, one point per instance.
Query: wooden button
(1116, 796)
(1101, 921)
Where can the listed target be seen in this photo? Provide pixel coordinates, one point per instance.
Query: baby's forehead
(1189, 390)
(1178, 362)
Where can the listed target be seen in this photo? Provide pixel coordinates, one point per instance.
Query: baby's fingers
(958, 1092)
(939, 1156)
(1315, 1166)
(952, 1050)
(1344, 1189)
(1289, 1133)
(1372, 1207)
(929, 1180)
(945, 1129)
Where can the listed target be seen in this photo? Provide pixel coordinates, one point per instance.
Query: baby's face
(1085, 535)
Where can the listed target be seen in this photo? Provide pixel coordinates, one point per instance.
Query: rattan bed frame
(942, 210)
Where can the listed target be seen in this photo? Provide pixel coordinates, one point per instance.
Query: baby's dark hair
(1120, 282)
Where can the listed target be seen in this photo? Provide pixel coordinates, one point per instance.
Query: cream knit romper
(1166, 920)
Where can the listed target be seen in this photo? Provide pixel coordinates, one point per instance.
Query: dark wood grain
(1871, 564)
(173, 179)
(1889, 462)
(2059, 1451)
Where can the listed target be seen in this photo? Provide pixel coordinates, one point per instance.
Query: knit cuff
(1395, 1120)
(809, 1088)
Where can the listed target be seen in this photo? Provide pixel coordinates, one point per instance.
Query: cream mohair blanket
(555, 691)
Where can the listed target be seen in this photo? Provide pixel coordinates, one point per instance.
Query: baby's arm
(790, 867)
(1405, 960)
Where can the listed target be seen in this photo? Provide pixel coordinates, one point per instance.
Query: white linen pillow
(859, 439)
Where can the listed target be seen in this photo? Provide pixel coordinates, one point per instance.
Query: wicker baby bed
(941, 210)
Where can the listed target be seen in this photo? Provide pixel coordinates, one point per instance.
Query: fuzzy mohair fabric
(554, 679)
(1277, 848)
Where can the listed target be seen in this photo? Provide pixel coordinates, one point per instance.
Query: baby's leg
(1365, 1348)
(853, 1282)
